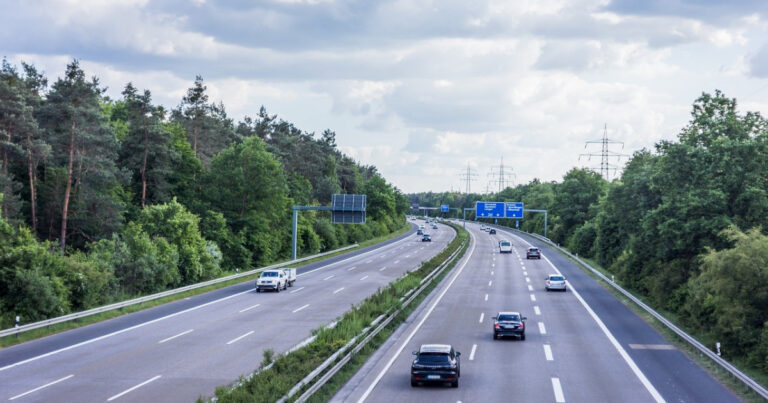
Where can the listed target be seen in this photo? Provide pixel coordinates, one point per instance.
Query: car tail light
(522, 325)
(547, 282)
(496, 325)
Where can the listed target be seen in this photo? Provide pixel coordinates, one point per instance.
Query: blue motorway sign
(489, 209)
(513, 210)
(445, 208)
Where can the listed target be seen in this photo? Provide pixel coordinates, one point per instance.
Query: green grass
(11, 340)
(270, 384)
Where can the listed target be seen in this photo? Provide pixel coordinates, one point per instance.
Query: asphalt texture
(582, 345)
(185, 349)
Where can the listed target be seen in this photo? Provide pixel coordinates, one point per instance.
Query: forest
(106, 199)
(684, 225)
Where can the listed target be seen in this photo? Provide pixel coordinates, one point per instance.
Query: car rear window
(433, 358)
(269, 274)
(533, 250)
(508, 318)
(505, 244)
(556, 278)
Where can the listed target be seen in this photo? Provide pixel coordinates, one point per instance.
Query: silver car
(555, 282)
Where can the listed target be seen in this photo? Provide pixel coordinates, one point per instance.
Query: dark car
(509, 324)
(492, 231)
(533, 253)
(436, 363)
(419, 231)
(426, 238)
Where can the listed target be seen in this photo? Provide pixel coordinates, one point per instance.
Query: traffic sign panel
(513, 210)
(489, 209)
(445, 208)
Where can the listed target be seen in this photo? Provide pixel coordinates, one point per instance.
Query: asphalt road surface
(182, 350)
(582, 345)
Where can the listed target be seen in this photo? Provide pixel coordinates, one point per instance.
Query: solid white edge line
(548, 352)
(418, 326)
(482, 316)
(472, 353)
(300, 308)
(42, 387)
(542, 328)
(559, 397)
(338, 291)
(623, 353)
(249, 308)
(120, 331)
(240, 337)
(173, 337)
(133, 388)
(297, 290)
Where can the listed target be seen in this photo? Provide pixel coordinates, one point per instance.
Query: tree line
(684, 226)
(102, 199)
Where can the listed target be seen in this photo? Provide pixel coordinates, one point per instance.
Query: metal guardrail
(382, 324)
(743, 378)
(118, 305)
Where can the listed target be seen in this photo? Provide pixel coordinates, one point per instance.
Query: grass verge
(11, 340)
(272, 382)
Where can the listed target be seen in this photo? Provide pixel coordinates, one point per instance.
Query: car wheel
(414, 384)
(522, 337)
(495, 336)
(455, 384)
(258, 289)
(277, 289)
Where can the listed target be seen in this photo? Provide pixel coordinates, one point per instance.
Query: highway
(185, 349)
(582, 345)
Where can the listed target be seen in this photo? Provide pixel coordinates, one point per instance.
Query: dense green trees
(139, 201)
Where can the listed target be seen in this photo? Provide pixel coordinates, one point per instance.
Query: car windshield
(433, 358)
(556, 278)
(509, 318)
(505, 244)
(269, 274)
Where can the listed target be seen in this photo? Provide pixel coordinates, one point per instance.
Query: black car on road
(436, 363)
(509, 324)
(491, 231)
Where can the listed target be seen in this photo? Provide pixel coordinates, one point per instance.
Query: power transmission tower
(501, 175)
(468, 177)
(604, 154)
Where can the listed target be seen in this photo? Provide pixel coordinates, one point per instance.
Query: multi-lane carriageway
(182, 350)
(582, 345)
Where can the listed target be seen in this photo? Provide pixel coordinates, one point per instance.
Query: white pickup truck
(276, 279)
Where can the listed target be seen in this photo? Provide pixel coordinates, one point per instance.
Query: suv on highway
(272, 280)
(436, 363)
(509, 324)
(533, 253)
(426, 238)
(555, 282)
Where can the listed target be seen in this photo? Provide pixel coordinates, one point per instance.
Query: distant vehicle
(555, 282)
(276, 279)
(419, 231)
(533, 253)
(509, 324)
(491, 231)
(505, 246)
(426, 238)
(434, 226)
(436, 363)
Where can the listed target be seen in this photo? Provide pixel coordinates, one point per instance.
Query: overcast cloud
(422, 88)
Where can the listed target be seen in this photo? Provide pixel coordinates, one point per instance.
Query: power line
(468, 177)
(604, 154)
(501, 176)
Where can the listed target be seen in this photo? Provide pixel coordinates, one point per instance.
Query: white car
(275, 280)
(505, 246)
(555, 282)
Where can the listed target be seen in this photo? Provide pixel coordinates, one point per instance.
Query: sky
(424, 90)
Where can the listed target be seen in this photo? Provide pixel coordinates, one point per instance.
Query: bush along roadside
(273, 381)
